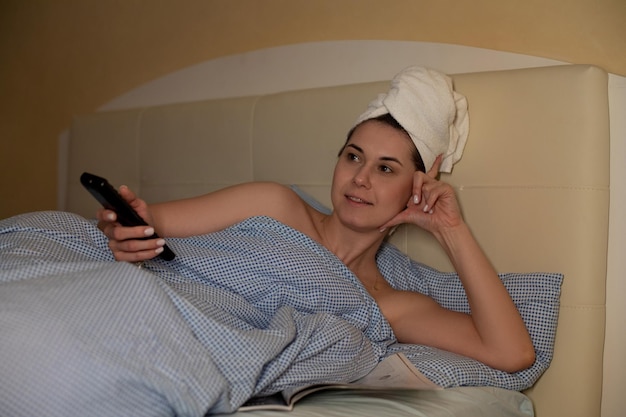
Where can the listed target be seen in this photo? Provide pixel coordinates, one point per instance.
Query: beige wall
(63, 57)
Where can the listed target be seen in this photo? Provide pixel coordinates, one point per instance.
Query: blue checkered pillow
(536, 296)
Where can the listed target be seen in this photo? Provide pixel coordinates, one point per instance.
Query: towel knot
(426, 105)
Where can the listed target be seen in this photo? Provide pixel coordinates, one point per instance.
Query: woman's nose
(361, 178)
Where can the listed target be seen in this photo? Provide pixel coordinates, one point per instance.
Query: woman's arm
(494, 333)
(220, 209)
(199, 215)
(501, 338)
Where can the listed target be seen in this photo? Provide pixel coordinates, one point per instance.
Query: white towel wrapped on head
(425, 104)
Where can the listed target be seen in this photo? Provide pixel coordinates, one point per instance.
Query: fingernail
(382, 229)
(160, 242)
(416, 199)
(111, 216)
(149, 231)
(425, 208)
(158, 250)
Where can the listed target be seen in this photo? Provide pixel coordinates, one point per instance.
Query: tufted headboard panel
(533, 181)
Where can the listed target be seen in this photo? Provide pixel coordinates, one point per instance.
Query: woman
(379, 182)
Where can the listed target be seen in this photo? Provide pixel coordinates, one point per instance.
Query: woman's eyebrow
(382, 158)
(352, 145)
(392, 159)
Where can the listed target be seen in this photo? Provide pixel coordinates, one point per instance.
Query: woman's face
(373, 178)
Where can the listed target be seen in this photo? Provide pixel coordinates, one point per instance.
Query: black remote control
(112, 200)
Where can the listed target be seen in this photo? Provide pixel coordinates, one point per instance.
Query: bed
(533, 184)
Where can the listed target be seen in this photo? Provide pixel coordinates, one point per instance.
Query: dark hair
(389, 120)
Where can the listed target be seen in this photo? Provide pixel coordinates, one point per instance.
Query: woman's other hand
(433, 205)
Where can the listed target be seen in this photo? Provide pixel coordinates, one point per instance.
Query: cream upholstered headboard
(533, 182)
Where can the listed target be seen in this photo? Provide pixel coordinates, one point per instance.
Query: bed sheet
(227, 320)
(460, 401)
(85, 335)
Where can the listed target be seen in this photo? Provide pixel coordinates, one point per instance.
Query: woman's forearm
(497, 320)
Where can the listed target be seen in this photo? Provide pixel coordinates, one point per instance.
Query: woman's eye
(353, 157)
(385, 168)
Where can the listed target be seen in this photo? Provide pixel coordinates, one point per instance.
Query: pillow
(536, 296)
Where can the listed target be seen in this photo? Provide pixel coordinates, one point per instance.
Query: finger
(431, 196)
(107, 223)
(138, 245)
(418, 184)
(136, 203)
(127, 193)
(434, 170)
(420, 178)
(136, 250)
(137, 256)
(105, 215)
(405, 216)
(397, 220)
(121, 233)
(132, 199)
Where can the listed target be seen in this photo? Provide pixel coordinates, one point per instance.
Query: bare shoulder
(260, 196)
(279, 201)
(286, 206)
(274, 196)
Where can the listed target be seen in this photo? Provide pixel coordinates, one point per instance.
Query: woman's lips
(357, 200)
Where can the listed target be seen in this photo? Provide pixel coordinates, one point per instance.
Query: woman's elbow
(518, 360)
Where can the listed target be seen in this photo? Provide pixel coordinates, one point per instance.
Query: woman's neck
(357, 250)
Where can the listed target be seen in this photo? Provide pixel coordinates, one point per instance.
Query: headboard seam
(533, 187)
(253, 108)
(138, 140)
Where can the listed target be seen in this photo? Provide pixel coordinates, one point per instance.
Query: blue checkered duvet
(228, 319)
(243, 312)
